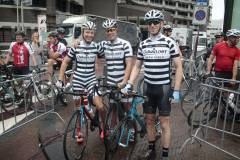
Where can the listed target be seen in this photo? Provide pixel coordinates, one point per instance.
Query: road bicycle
(211, 101)
(193, 76)
(19, 95)
(76, 133)
(58, 93)
(121, 128)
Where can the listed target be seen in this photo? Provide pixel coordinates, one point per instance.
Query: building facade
(55, 10)
(181, 11)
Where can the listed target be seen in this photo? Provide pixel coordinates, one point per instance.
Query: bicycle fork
(77, 128)
(130, 133)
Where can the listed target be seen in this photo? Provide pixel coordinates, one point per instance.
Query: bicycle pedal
(92, 128)
(142, 133)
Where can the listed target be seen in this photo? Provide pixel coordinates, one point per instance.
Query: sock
(151, 145)
(164, 152)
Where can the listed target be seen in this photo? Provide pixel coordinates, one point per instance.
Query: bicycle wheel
(43, 96)
(126, 129)
(113, 118)
(204, 112)
(131, 130)
(75, 137)
(188, 97)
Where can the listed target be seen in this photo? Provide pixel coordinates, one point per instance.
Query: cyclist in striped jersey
(84, 76)
(155, 53)
(118, 54)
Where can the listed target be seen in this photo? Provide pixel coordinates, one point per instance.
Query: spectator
(36, 48)
(227, 56)
(21, 51)
(61, 34)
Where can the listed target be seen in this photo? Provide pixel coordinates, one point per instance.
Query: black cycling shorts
(224, 75)
(157, 97)
(21, 70)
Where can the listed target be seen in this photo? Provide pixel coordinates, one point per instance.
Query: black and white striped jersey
(84, 54)
(115, 54)
(156, 54)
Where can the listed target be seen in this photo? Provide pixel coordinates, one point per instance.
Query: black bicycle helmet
(53, 34)
(21, 33)
(219, 34)
(61, 30)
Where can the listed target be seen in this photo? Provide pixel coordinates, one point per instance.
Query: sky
(217, 9)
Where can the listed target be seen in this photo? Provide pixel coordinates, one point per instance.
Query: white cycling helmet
(89, 25)
(233, 32)
(109, 23)
(154, 15)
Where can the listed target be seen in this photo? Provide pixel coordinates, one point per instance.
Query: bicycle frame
(83, 113)
(132, 115)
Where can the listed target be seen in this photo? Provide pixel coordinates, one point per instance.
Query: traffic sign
(24, 2)
(42, 27)
(200, 15)
(202, 2)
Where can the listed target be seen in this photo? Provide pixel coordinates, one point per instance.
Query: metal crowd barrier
(21, 105)
(215, 119)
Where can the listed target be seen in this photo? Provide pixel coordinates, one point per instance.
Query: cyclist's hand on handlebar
(207, 75)
(59, 84)
(121, 85)
(176, 96)
(128, 88)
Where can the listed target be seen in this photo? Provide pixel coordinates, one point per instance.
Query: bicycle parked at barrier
(211, 103)
(58, 93)
(193, 75)
(23, 93)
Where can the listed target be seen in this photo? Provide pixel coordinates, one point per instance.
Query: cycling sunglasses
(155, 22)
(111, 30)
(168, 30)
(218, 37)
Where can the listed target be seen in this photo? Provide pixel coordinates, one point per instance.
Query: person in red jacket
(20, 51)
(227, 56)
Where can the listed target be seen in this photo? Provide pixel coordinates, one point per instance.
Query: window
(39, 3)
(61, 5)
(170, 3)
(7, 2)
(182, 5)
(5, 35)
(75, 8)
(182, 13)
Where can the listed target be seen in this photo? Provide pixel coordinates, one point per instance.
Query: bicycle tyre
(15, 108)
(44, 96)
(71, 148)
(112, 154)
(209, 111)
(110, 144)
(53, 92)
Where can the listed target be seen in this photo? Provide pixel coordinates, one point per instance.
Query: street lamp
(22, 17)
(22, 20)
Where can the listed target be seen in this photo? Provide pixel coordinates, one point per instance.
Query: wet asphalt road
(23, 143)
